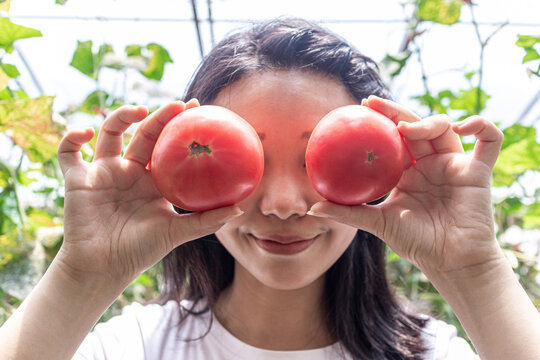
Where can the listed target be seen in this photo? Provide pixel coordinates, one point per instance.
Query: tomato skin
(207, 157)
(355, 155)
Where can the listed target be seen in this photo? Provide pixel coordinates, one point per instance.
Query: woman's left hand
(439, 216)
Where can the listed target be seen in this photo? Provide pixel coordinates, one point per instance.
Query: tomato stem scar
(370, 157)
(197, 149)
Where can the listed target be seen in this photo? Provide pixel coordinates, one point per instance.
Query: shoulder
(443, 342)
(142, 331)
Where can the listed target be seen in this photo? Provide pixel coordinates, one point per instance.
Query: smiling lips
(283, 245)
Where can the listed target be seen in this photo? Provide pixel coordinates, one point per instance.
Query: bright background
(374, 27)
(31, 192)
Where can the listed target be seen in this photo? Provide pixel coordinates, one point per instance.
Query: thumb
(187, 227)
(363, 217)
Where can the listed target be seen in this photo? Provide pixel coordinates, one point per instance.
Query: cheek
(230, 238)
(224, 234)
(343, 235)
(346, 232)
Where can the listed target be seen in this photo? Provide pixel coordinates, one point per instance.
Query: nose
(284, 195)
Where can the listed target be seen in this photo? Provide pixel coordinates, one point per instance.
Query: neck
(273, 319)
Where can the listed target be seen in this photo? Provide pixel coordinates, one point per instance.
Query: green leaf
(31, 125)
(446, 12)
(46, 190)
(5, 175)
(531, 218)
(102, 51)
(94, 103)
(21, 94)
(133, 50)
(469, 75)
(10, 247)
(511, 205)
(467, 100)
(24, 179)
(526, 41)
(530, 55)
(516, 158)
(143, 279)
(4, 5)
(464, 100)
(6, 94)
(39, 218)
(10, 70)
(50, 168)
(83, 59)
(435, 104)
(4, 79)
(516, 133)
(394, 64)
(10, 32)
(392, 256)
(11, 220)
(86, 61)
(532, 72)
(158, 59)
(61, 2)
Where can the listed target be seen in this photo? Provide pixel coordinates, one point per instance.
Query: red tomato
(207, 157)
(355, 155)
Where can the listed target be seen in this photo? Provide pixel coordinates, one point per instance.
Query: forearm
(56, 317)
(494, 309)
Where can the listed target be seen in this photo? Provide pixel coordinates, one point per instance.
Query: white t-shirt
(153, 332)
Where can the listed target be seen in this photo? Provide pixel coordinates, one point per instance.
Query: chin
(286, 278)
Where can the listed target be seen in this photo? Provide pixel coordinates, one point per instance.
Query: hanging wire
(197, 27)
(232, 20)
(211, 22)
(527, 109)
(29, 69)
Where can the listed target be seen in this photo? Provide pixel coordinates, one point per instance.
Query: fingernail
(457, 125)
(235, 215)
(404, 125)
(317, 214)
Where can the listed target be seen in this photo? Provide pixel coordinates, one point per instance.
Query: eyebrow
(305, 135)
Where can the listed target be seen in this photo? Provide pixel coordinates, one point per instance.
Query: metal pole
(211, 22)
(30, 71)
(197, 27)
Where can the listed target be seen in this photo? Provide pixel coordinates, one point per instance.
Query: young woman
(282, 274)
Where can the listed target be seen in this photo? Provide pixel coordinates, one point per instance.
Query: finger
(390, 109)
(192, 103)
(69, 148)
(431, 135)
(192, 226)
(489, 136)
(397, 114)
(109, 142)
(364, 217)
(143, 141)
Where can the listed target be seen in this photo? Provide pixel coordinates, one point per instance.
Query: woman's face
(274, 241)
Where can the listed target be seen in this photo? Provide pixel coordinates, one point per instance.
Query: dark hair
(363, 312)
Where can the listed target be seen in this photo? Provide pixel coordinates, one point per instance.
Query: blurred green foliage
(31, 232)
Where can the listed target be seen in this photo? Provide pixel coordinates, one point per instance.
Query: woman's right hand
(117, 224)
